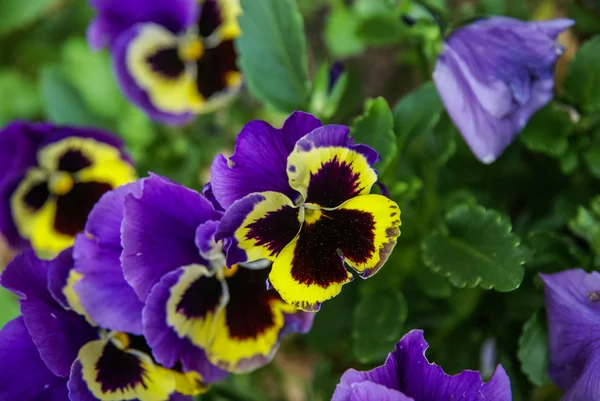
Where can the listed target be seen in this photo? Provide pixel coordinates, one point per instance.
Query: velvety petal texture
(573, 307)
(493, 75)
(24, 376)
(51, 178)
(57, 333)
(310, 226)
(408, 375)
(159, 230)
(116, 16)
(101, 288)
(259, 160)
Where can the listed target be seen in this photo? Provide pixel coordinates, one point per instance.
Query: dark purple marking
(213, 67)
(249, 312)
(72, 209)
(333, 184)
(119, 370)
(276, 229)
(201, 297)
(37, 196)
(73, 161)
(167, 62)
(316, 260)
(210, 18)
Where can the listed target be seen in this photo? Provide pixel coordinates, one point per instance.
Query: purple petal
(115, 16)
(57, 333)
(368, 391)
(493, 75)
(135, 93)
(407, 370)
(159, 230)
(573, 325)
(24, 376)
(259, 161)
(104, 294)
(167, 347)
(205, 238)
(104, 221)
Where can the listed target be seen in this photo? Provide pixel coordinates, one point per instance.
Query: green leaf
(586, 224)
(434, 285)
(381, 29)
(582, 84)
(63, 104)
(417, 113)
(552, 252)
(476, 248)
(340, 33)
(548, 131)
(533, 350)
(20, 97)
(17, 13)
(378, 324)
(375, 128)
(272, 53)
(9, 307)
(101, 94)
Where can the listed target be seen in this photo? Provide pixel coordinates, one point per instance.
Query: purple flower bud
(493, 75)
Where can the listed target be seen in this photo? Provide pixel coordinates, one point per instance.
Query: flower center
(60, 183)
(310, 213)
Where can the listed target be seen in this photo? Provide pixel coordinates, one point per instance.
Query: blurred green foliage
(464, 224)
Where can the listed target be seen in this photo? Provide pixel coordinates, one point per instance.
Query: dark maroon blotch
(119, 370)
(333, 184)
(276, 229)
(201, 297)
(72, 209)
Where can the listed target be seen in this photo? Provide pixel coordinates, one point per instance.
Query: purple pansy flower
(573, 306)
(494, 74)
(299, 196)
(51, 178)
(172, 59)
(213, 319)
(55, 342)
(407, 375)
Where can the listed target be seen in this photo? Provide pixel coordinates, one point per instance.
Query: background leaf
(533, 350)
(378, 322)
(17, 13)
(417, 113)
(63, 104)
(476, 248)
(272, 53)
(582, 84)
(548, 131)
(375, 128)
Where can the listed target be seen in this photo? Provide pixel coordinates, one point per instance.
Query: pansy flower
(300, 197)
(407, 375)
(573, 307)
(51, 178)
(494, 74)
(196, 310)
(172, 59)
(67, 352)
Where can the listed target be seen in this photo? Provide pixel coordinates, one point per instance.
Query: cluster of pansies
(161, 290)
(143, 289)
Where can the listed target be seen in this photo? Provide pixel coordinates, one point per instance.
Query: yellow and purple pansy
(300, 197)
(172, 59)
(196, 310)
(54, 353)
(51, 178)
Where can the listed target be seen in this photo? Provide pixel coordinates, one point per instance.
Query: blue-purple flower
(173, 59)
(407, 375)
(55, 352)
(300, 197)
(573, 307)
(51, 178)
(148, 264)
(494, 74)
